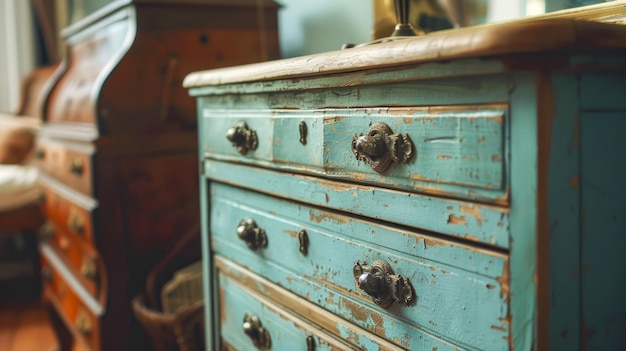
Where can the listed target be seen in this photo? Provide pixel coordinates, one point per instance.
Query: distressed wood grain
(603, 229)
(480, 41)
(484, 224)
(457, 151)
(286, 330)
(562, 201)
(459, 290)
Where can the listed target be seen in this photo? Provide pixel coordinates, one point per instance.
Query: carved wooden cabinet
(451, 191)
(118, 152)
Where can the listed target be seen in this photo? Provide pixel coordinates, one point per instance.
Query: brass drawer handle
(248, 231)
(83, 322)
(89, 269)
(253, 328)
(75, 223)
(46, 231)
(385, 287)
(76, 166)
(380, 147)
(242, 137)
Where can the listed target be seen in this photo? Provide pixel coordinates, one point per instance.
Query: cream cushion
(18, 186)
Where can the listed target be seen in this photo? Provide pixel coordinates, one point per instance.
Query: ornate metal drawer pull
(254, 330)
(385, 287)
(76, 166)
(83, 322)
(248, 231)
(75, 223)
(46, 231)
(380, 147)
(242, 137)
(89, 269)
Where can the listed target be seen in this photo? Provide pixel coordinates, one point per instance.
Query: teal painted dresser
(461, 190)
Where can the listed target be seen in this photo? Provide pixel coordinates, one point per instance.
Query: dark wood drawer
(456, 151)
(79, 312)
(80, 259)
(460, 292)
(69, 163)
(68, 209)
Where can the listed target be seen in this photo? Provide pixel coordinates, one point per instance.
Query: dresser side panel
(523, 216)
(603, 220)
(563, 211)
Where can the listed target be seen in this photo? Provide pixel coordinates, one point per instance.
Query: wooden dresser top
(595, 29)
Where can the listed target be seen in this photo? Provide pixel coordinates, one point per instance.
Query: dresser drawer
(70, 163)
(460, 292)
(477, 222)
(68, 209)
(458, 151)
(80, 318)
(272, 326)
(80, 258)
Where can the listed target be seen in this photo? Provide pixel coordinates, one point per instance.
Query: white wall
(17, 50)
(313, 26)
(308, 26)
(502, 10)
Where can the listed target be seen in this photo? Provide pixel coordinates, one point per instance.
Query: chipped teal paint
(510, 230)
(285, 334)
(603, 242)
(433, 70)
(458, 300)
(487, 224)
(457, 152)
(523, 218)
(208, 281)
(463, 147)
(563, 212)
(355, 335)
(461, 90)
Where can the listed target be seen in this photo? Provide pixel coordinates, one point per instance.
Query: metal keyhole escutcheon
(310, 343)
(303, 132)
(303, 240)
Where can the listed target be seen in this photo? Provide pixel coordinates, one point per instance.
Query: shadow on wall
(308, 27)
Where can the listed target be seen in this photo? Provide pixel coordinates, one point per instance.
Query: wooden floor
(24, 326)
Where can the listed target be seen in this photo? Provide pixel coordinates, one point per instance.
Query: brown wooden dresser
(117, 152)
